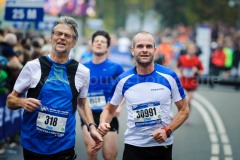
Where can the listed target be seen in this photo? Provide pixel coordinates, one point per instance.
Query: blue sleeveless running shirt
(51, 128)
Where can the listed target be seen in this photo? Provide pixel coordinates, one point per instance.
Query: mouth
(61, 44)
(144, 56)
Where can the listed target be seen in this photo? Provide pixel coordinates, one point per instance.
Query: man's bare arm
(84, 111)
(105, 119)
(15, 101)
(119, 108)
(181, 115)
(86, 114)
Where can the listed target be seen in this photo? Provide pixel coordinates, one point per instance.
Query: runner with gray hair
(57, 87)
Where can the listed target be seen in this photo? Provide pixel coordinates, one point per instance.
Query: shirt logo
(157, 89)
(44, 108)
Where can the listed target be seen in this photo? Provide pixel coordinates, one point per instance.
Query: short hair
(104, 34)
(10, 38)
(68, 21)
(141, 32)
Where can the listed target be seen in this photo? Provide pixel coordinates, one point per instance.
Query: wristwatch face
(169, 132)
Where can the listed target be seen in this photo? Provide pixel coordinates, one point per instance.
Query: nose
(144, 49)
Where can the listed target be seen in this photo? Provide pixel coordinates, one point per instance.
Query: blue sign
(22, 25)
(46, 24)
(24, 14)
(10, 120)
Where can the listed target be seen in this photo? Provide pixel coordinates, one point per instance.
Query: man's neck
(144, 70)
(61, 59)
(98, 59)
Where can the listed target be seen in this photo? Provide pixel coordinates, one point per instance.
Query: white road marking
(224, 138)
(210, 128)
(227, 149)
(214, 158)
(219, 124)
(228, 158)
(215, 148)
(213, 137)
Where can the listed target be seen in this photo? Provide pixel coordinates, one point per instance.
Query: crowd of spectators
(224, 48)
(15, 52)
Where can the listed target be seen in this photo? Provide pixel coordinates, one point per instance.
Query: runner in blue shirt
(103, 73)
(56, 87)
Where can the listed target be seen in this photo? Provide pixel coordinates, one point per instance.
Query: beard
(62, 52)
(99, 53)
(143, 63)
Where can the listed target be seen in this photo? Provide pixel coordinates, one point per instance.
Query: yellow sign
(2, 3)
(2, 9)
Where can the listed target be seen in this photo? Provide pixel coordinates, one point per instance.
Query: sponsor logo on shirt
(157, 89)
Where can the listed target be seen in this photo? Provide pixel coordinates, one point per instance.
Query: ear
(155, 49)
(132, 51)
(74, 43)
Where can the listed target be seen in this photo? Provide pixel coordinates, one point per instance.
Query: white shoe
(2, 150)
(12, 145)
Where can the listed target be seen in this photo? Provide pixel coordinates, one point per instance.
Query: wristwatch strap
(89, 125)
(168, 131)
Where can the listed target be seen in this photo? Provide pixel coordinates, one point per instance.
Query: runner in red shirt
(189, 66)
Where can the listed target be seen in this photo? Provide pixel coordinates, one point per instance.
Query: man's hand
(103, 128)
(15, 101)
(98, 140)
(159, 135)
(30, 104)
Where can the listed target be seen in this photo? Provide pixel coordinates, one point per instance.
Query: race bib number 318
(51, 123)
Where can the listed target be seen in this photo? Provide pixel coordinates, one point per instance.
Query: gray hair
(10, 38)
(68, 21)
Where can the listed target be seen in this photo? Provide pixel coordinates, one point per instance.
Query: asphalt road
(211, 135)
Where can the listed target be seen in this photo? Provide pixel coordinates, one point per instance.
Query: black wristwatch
(168, 131)
(89, 125)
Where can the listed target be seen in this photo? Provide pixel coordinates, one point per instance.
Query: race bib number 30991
(147, 114)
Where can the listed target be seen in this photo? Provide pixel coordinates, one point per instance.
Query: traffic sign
(24, 10)
(24, 14)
